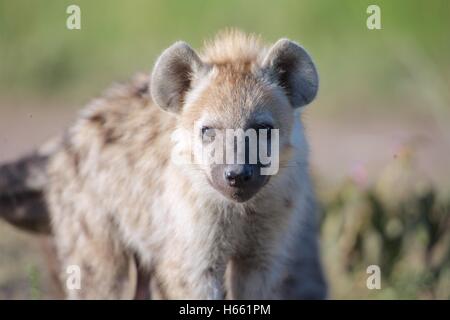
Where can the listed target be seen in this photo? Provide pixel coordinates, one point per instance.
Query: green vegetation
(33, 275)
(398, 223)
(39, 57)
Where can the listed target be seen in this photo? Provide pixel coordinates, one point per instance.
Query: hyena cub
(205, 230)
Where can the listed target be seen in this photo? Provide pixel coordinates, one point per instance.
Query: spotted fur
(114, 192)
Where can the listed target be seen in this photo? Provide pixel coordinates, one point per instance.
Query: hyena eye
(208, 134)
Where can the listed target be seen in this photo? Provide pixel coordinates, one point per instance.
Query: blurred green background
(41, 57)
(381, 123)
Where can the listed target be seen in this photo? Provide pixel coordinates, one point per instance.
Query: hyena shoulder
(121, 123)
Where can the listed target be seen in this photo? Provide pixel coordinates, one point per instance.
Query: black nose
(237, 175)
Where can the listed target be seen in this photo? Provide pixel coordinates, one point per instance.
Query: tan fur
(114, 192)
(232, 46)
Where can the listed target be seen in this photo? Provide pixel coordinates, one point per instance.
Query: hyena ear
(294, 70)
(172, 74)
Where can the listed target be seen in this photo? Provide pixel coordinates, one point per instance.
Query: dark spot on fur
(76, 161)
(164, 161)
(131, 159)
(71, 152)
(288, 203)
(289, 280)
(75, 157)
(210, 270)
(182, 283)
(85, 228)
(110, 136)
(151, 137)
(87, 269)
(98, 119)
(142, 90)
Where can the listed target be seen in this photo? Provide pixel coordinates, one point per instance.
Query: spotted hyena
(203, 230)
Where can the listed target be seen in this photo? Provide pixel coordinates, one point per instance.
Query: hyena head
(235, 106)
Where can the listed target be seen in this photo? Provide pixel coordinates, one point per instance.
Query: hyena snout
(239, 182)
(238, 175)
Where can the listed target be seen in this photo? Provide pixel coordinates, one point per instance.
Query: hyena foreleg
(94, 264)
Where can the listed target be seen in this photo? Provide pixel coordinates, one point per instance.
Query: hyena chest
(177, 231)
